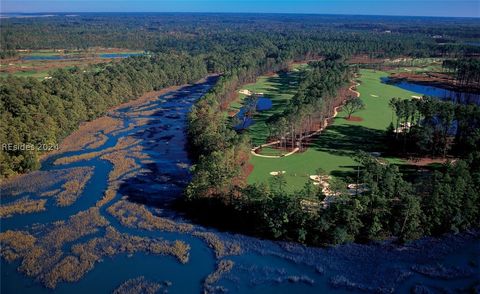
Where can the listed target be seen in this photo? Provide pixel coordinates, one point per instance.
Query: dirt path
(253, 151)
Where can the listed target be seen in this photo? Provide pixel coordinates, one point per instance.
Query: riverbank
(91, 134)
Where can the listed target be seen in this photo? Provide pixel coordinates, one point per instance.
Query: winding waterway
(260, 266)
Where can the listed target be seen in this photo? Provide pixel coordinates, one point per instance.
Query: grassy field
(280, 89)
(333, 149)
(38, 74)
(40, 69)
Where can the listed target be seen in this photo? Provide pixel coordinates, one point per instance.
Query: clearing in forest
(279, 88)
(332, 150)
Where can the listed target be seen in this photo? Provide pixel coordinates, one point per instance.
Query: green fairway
(333, 149)
(280, 89)
(36, 74)
(40, 74)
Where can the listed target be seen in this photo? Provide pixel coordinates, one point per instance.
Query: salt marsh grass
(138, 286)
(221, 248)
(22, 206)
(136, 215)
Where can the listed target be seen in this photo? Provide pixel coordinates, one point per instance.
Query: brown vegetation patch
(38, 182)
(40, 255)
(247, 169)
(50, 193)
(427, 161)
(90, 134)
(147, 97)
(84, 256)
(45, 65)
(441, 80)
(22, 206)
(224, 266)
(232, 113)
(78, 225)
(15, 244)
(31, 182)
(271, 74)
(221, 248)
(130, 127)
(124, 166)
(136, 215)
(109, 194)
(354, 118)
(122, 143)
(100, 140)
(73, 188)
(121, 164)
(365, 59)
(138, 286)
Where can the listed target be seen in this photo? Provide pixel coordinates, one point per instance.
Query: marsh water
(262, 266)
(74, 56)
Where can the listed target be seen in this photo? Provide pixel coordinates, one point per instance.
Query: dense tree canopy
(433, 127)
(43, 112)
(390, 206)
(241, 47)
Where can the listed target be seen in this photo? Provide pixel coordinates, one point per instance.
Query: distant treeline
(43, 112)
(202, 33)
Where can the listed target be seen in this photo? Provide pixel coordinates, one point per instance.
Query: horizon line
(241, 12)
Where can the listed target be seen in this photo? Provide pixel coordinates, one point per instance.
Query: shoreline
(95, 124)
(435, 80)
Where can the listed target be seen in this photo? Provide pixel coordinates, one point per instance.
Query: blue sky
(468, 8)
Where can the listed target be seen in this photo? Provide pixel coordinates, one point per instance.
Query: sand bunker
(245, 92)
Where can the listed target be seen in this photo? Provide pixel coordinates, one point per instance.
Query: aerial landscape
(239, 146)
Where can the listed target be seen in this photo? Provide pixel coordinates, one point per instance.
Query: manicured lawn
(42, 73)
(333, 149)
(280, 89)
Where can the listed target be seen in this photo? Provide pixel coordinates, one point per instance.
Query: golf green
(279, 88)
(332, 150)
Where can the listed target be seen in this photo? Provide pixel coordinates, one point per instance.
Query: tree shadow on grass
(345, 174)
(285, 83)
(347, 140)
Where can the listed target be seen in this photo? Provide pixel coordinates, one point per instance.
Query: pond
(75, 56)
(119, 55)
(245, 121)
(261, 266)
(472, 43)
(444, 94)
(46, 57)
